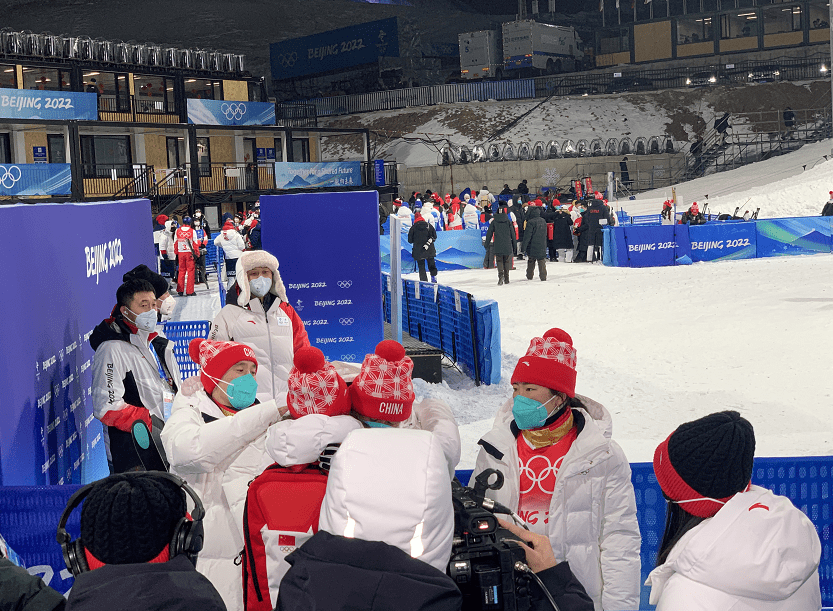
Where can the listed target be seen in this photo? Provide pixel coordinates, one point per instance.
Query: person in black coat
(828, 207)
(506, 190)
(535, 243)
(422, 236)
(501, 237)
(594, 218)
(523, 189)
(562, 233)
(20, 591)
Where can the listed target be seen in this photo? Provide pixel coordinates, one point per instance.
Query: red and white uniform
(184, 248)
(539, 470)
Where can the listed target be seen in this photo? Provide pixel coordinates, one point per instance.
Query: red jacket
(184, 241)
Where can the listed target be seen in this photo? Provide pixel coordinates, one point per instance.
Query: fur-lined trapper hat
(250, 260)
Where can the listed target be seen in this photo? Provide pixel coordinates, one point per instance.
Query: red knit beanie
(550, 362)
(216, 358)
(383, 390)
(161, 219)
(315, 386)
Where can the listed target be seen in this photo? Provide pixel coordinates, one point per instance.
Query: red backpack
(281, 513)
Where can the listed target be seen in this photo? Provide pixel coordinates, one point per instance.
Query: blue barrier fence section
(806, 481)
(465, 329)
(455, 250)
(658, 245)
(181, 334)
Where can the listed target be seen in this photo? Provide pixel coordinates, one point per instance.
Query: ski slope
(662, 346)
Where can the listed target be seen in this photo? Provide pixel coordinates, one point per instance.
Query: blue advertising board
(728, 240)
(48, 434)
(455, 250)
(35, 179)
(223, 112)
(301, 175)
(52, 105)
(333, 274)
(796, 236)
(651, 246)
(334, 50)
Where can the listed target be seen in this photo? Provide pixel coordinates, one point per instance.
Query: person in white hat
(258, 314)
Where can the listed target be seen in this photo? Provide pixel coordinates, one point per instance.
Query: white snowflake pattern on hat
(385, 379)
(551, 348)
(315, 391)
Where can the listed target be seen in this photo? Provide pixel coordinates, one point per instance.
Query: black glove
(326, 456)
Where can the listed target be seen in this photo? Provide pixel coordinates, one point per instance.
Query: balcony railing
(124, 179)
(137, 108)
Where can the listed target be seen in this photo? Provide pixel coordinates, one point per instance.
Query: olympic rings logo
(233, 111)
(538, 479)
(344, 284)
(288, 60)
(348, 358)
(346, 321)
(287, 549)
(11, 177)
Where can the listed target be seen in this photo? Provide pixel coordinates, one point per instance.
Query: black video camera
(482, 559)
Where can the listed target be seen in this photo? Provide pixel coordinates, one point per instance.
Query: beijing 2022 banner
(332, 275)
(300, 175)
(35, 179)
(52, 105)
(66, 278)
(227, 112)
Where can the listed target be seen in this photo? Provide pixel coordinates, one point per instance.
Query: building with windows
(665, 30)
(177, 126)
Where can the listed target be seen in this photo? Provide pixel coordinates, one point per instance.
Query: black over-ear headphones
(187, 538)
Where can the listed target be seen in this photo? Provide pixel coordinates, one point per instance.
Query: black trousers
(431, 267)
(200, 264)
(231, 269)
(530, 268)
(504, 264)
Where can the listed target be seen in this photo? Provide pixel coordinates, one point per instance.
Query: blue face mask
(529, 413)
(241, 392)
(377, 425)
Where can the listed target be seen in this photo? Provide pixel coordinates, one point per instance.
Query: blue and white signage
(35, 179)
(299, 175)
(728, 240)
(52, 105)
(337, 49)
(48, 433)
(227, 112)
(379, 172)
(39, 154)
(340, 302)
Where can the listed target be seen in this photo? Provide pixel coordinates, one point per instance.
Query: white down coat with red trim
(218, 459)
(592, 517)
(758, 553)
(274, 334)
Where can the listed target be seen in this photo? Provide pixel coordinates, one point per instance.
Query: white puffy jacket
(301, 441)
(231, 242)
(166, 243)
(435, 416)
(471, 216)
(391, 485)
(218, 459)
(758, 553)
(404, 213)
(274, 335)
(592, 517)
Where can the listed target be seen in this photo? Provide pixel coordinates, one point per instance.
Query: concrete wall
(653, 171)
(236, 90)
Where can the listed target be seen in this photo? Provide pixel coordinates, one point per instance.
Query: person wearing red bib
(564, 475)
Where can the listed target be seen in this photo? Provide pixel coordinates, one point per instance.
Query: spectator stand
(806, 481)
(465, 329)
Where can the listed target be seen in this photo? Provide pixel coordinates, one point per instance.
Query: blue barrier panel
(487, 317)
(806, 481)
(455, 250)
(721, 242)
(340, 302)
(456, 332)
(48, 433)
(795, 236)
(29, 518)
(650, 246)
(181, 333)
(52, 105)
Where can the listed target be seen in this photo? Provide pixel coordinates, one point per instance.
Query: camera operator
(564, 475)
(567, 591)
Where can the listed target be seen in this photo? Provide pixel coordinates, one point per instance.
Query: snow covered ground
(662, 346)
